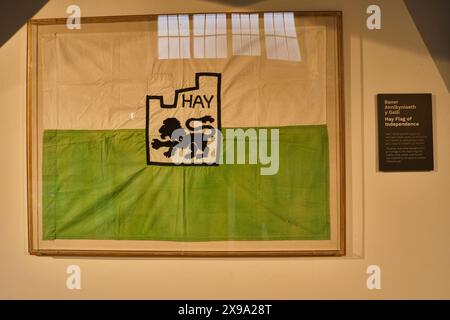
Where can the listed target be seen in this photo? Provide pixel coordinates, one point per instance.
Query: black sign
(405, 132)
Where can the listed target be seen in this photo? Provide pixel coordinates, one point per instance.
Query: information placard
(405, 132)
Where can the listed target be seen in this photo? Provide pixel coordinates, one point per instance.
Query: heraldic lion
(193, 138)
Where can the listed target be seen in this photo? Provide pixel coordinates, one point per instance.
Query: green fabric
(97, 185)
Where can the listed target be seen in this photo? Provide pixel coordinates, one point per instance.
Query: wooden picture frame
(332, 20)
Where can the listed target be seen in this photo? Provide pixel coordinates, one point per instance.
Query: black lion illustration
(175, 137)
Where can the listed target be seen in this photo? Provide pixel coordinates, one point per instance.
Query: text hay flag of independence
(202, 127)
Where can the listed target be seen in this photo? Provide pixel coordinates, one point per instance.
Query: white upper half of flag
(273, 71)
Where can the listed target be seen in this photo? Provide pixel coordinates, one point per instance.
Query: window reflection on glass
(281, 37)
(245, 34)
(210, 35)
(173, 37)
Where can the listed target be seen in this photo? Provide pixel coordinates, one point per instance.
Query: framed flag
(206, 134)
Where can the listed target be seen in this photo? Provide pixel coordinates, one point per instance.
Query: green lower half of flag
(97, 185)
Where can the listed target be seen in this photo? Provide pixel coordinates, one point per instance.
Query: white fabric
(100, 80)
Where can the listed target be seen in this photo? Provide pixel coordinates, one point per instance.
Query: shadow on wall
(14, 14)
(432, 18)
